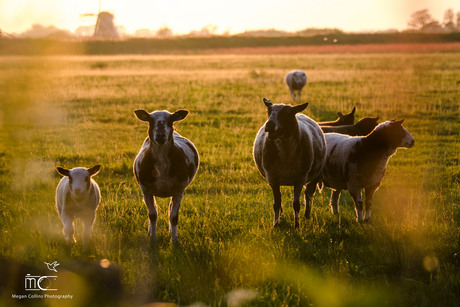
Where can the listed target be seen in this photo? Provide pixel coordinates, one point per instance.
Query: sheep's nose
(270, 126)
(160, 139)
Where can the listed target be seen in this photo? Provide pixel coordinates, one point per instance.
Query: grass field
(78, 111)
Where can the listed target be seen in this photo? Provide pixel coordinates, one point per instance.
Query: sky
(234, 16)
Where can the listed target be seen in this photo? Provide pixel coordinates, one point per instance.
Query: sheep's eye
(87, 179)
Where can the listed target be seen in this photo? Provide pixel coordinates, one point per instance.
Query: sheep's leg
(356, 194)
(368, 204)
(88, 225)
(293, 95)
(276, 203)
(309, 194)
(149, 200)
(296, 203)
(174, 215)
(68, 230)
(299, 95)
(335, 196)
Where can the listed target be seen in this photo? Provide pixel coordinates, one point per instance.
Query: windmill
(105, 27)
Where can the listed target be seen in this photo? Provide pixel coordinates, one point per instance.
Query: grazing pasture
(79, 111)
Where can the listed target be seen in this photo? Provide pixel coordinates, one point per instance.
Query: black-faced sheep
(347, 119)
(363, 127)
(165, 165)
(356, 163)
(289, 150)
(78, 196)
(296, 80)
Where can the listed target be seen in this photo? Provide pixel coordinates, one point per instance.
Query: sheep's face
(367, 124)
(298, 78)
(282, 120)
(79, 178)
(161, 124)
(395, 134)
(347, 119)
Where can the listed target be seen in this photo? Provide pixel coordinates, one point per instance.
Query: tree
(164, 31)
(448, 22)
(458, 21)
(419, 20)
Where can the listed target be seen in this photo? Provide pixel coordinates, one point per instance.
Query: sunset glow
(229, 16)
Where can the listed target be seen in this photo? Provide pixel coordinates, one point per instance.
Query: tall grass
(78, 111)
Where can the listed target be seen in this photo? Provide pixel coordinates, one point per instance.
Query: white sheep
(78, 196)
(356, 163)
(296, 80)
(289, 150)
(165, 165)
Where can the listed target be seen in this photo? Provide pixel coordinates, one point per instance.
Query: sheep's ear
(94, 170)
(353, 111)
(299, 108)
(400, 122)
(268, 103)
(142, 115)
(63, 171)
(178, 115)
(339, 114)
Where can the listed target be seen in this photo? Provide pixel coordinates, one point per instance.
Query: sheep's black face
(347, 119)
(367, 124)
(161, 124)
(282, 121)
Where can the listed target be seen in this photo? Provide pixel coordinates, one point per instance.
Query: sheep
(77, 196)
(356, 163)
(347, 119)
(289, 150)
(296, 80)
(363, 127)
(165, 165)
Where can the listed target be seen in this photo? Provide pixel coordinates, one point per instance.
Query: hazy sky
(234, 16)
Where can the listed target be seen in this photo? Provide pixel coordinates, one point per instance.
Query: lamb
(356, 163)
(289, 150)
(347, 119)
(296, 80)
(363, 127)
(78, 196)
(165, 165)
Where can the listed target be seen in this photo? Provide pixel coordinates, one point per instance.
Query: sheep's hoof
(176, 243)
(153, 242)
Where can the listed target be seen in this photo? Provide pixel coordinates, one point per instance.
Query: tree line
(422, 21)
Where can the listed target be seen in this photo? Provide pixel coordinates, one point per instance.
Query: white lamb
(77, 196)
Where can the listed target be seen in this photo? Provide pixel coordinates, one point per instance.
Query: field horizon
(332, 42)
(78, 111)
